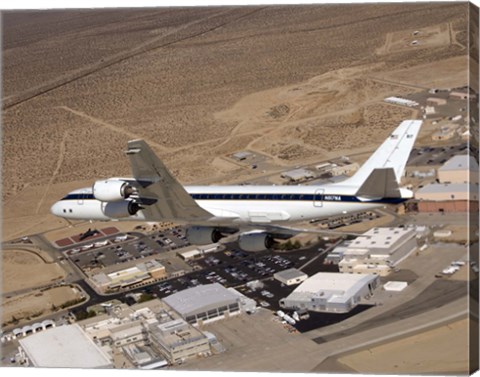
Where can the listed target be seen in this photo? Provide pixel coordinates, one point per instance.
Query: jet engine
(117, 210)
(112, 190)
(203, 235)
(255, 241)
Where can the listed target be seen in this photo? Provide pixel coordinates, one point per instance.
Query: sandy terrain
(422, 353)
(36, 303)
(22, 269)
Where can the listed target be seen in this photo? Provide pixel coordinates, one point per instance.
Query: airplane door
(80, 198)
(318, 198)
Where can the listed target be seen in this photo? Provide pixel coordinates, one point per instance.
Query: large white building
(379, 252)
(64, 347)
(207, 303)
(331, 292)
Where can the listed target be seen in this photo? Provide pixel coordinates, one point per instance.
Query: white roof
(333, 286)
(291, 273)
(460, 162)
(64, 346)
(379, 238)
(201, 296)
(395, 286)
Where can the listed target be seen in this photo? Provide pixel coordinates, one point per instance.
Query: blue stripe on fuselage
(281, 197)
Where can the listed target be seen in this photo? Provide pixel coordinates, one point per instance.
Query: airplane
(259, 214)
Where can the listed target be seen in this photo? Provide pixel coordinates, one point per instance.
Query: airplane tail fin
(380, 175)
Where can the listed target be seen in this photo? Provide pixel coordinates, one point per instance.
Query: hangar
(331, 292)
(204, 303)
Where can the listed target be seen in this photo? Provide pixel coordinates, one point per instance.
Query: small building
(331, 292)
(429, 110)
(291, 276)
(64, 347)
(401, 101)
(199, 251)
(395, 286)
(460, 93)
(378, 253)
(459, 169)
(348, 169)
(297, 175)
(242, 155)
(204, 303)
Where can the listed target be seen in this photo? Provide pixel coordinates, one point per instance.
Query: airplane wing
(161, 196)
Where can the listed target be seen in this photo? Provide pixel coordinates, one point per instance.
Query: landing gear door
(318, 198)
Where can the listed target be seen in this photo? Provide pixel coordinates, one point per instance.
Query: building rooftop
(450, 191)
(460, 162)
(64, 346)
(378, 238)
(192, 299)
(332, 286)
(291, 273)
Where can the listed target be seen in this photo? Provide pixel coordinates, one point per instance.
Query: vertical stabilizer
(393, 154)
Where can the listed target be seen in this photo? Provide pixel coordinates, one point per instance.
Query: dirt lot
(400, 357)
(23, 269)
(35, 304)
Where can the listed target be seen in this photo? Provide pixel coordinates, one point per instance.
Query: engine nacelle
(112, 190)
(117, 210)
(203, 235)
(257, 241)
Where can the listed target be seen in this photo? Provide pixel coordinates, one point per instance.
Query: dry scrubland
(175, 77)
(23, 269)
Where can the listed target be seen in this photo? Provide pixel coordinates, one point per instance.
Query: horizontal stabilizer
(381, 183)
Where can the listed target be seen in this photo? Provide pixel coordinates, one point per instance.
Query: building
(345, 169)
(378, 253)
(401, 101)
(141, 272)
(242, 155)
(395, 286)
(297, 175)
(204, 303)
(199, 251)
(448, 197)
(64, 347)
(331, 292)
(291, 276)
(459, 169)
(178, 341)
(149, 334)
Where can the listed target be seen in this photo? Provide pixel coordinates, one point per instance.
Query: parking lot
(125, 248)
(435, 155)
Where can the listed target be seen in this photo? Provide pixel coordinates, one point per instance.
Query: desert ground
(403, 356)
(297, 84)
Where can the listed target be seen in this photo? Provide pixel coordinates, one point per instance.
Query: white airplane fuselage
(243, 204)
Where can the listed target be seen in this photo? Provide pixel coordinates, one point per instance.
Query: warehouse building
(448, 197)
(331, 292)
(344, 169)
(150, 270)
(297, 175)
(459, 169)
(378, 253)
(205, 303)
(291, 276)
(401, 101)
(64, 347)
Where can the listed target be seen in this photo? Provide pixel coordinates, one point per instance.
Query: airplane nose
(56, 209)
